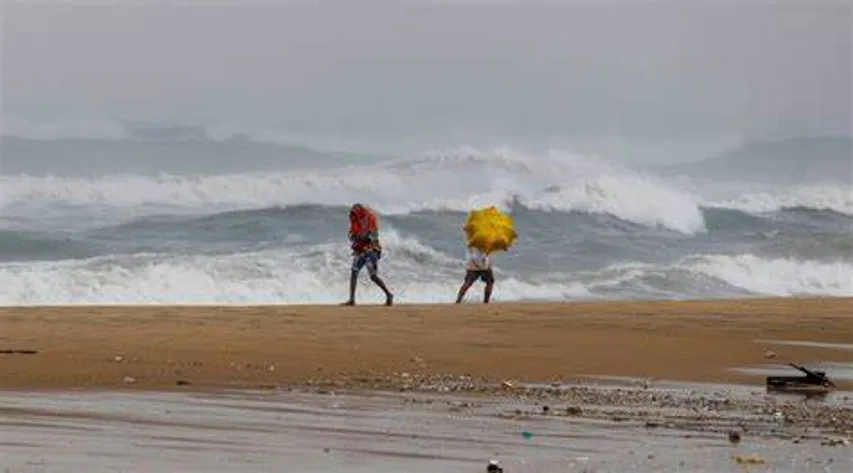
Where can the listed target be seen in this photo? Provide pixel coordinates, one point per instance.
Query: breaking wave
(589, 229)
(453, 181)
(317, 273)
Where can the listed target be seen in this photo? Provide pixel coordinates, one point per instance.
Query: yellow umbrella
(490, 230)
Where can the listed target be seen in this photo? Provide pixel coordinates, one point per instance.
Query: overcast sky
(656, 70)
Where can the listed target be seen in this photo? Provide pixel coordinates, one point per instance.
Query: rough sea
(97, 221)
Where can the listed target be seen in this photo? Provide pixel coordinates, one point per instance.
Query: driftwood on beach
(816, 382)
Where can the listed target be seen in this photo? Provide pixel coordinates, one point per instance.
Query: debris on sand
(814, 382)
(494, 467)
(753, 459)
(734, 437)
(835, 442)
(418, 361)
(17, 351)
(694, 410)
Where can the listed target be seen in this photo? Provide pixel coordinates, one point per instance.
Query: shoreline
(203, 348)
(625, 430)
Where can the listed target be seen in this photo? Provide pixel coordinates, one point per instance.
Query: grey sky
(650, 70)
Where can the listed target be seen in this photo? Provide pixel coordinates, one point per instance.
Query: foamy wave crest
(632, 198)
(309, 274)
(826, 197)
(454, 180)
(714, 275)
(312, 273)
(777, 276)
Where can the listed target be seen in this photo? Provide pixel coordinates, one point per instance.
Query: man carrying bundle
(364, 241)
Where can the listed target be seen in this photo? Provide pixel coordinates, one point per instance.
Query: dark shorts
(472, 275)
(369, 258)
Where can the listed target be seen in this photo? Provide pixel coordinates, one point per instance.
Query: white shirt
(477, 260)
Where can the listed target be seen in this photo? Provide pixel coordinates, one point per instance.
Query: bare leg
(353, 282)
(389, 298)
(487, 292)
(462, 290)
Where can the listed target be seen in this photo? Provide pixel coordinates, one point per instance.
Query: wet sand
(198, 348)
(386, 432)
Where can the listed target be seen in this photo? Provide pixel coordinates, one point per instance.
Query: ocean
(124, 221)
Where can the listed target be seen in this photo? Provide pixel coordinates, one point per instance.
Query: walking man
(364, 241)
(477, 266)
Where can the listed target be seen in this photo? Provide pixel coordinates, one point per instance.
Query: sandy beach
(157, 347)
(424, 388)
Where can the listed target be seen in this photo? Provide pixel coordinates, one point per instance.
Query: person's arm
(372, 230)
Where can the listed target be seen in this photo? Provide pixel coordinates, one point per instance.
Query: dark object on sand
(734, 437)
(493, 467)
(814, 382)
(16, 351)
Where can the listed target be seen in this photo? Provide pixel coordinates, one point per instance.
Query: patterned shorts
(369, 258)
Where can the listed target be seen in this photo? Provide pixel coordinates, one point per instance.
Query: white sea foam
(310, 273)
(457, 179)
(299, 275)
(824, 197)
(778, 276)
(451, 180)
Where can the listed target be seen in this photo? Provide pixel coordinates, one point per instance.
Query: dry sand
(156, 346)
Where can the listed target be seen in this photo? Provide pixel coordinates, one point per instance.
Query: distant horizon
(196, 150)
(637, 82)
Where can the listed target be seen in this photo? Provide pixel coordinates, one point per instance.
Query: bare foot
(348, 303)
